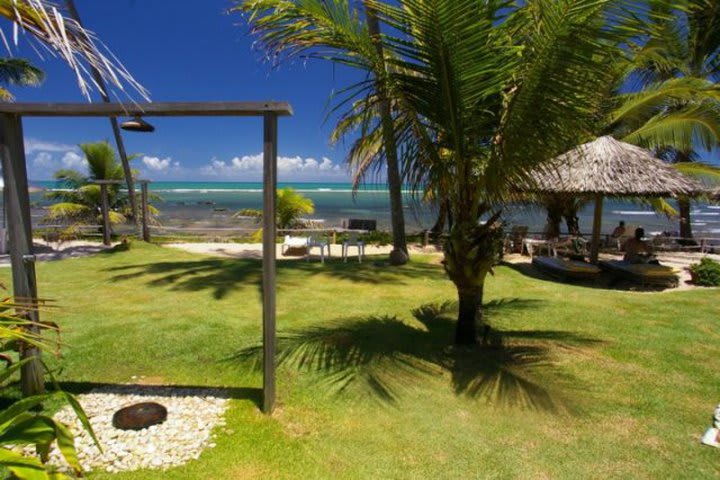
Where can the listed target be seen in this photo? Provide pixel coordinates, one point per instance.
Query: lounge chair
(565, 269)
(294, 243)
(642, 273)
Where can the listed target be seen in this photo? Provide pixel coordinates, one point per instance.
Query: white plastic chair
(353, 241)
(317, 243)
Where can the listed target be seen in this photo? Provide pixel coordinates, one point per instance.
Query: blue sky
(190, 51)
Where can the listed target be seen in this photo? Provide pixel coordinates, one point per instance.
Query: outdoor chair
(313, 242)
(514, 240)
(353, 240)
(294, 243)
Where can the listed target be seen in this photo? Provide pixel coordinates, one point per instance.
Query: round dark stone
(139, 416)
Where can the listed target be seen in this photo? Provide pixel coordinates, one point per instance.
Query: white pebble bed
(192, 415)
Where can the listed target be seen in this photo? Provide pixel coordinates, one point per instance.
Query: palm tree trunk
(469, 311)
(115, 128)
(469, 252)
(399, 255)
(685, 226)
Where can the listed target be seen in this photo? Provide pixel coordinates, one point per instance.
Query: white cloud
(33, 145)
(158, 164)
(43, 160)
(73, 160)
(253, 164)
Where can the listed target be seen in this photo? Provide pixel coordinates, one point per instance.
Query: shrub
(706, 273)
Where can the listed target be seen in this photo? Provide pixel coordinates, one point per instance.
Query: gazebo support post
(105, 207)
(145, 210)
(269, 252)
(597, 226)
(22, 259)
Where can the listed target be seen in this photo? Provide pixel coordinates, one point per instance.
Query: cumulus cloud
(73, 160)
(33, 145)
(43, 160)
(253, 164)
(157, 164)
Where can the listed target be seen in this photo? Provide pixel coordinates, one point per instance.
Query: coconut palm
(330, 30)
(79, 198)
(17, 71)
(483, 92)
(676, 109)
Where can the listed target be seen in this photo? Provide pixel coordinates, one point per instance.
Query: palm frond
(19, 71)
(63, 37)
(684, 129)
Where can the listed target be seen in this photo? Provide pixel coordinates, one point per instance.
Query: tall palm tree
(332, 30)
(484, 92)
(675, 107)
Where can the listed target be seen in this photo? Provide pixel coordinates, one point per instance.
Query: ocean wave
(633, 212)
(259, 190)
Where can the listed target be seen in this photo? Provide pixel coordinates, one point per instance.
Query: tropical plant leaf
(62, 36)
(24, 468)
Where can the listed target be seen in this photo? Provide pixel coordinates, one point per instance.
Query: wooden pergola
(22, 258)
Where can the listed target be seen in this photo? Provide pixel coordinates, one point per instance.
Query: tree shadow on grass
(386, 357)
(224, 275)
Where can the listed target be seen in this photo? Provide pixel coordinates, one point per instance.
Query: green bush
(377, 237)
(706, 273)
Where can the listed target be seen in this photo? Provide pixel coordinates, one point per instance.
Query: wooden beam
(269, 250)
(105, 208)
(160, 109)
(597, 226)
(22, 258)
(145, 209)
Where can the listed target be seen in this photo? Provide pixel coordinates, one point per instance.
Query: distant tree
(290, 206)
(79, 198)
(20, 72)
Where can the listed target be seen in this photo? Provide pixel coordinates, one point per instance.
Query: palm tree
(484, 92)
(676, 109)
(79, 199)
(326, 27)
(17, 71)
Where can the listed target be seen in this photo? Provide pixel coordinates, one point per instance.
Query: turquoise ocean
(211, 205)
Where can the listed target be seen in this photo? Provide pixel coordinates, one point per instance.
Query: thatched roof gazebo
(608, 167)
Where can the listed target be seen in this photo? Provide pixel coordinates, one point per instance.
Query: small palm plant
(21, 424)
(290, 207)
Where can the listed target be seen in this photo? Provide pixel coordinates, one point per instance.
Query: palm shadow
(386, 357)
(222, 275)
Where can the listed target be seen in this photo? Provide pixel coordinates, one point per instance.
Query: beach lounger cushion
(565, 268)
(645, 273)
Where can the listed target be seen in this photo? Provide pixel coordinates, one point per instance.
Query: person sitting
(619, 230)
(638, 250)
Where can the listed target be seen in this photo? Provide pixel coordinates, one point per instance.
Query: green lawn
(577, 381)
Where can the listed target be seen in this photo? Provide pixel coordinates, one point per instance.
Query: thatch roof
(608, 167)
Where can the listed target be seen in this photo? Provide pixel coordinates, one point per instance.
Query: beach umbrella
(607, 167)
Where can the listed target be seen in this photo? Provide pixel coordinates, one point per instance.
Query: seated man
(619, 230)
(638, 250)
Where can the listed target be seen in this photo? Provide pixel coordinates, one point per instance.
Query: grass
(576, 381)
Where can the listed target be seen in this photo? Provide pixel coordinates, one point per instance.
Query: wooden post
(145, 210)
(269, 250)
(21, 247)
(105, 213)
(597, 226)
